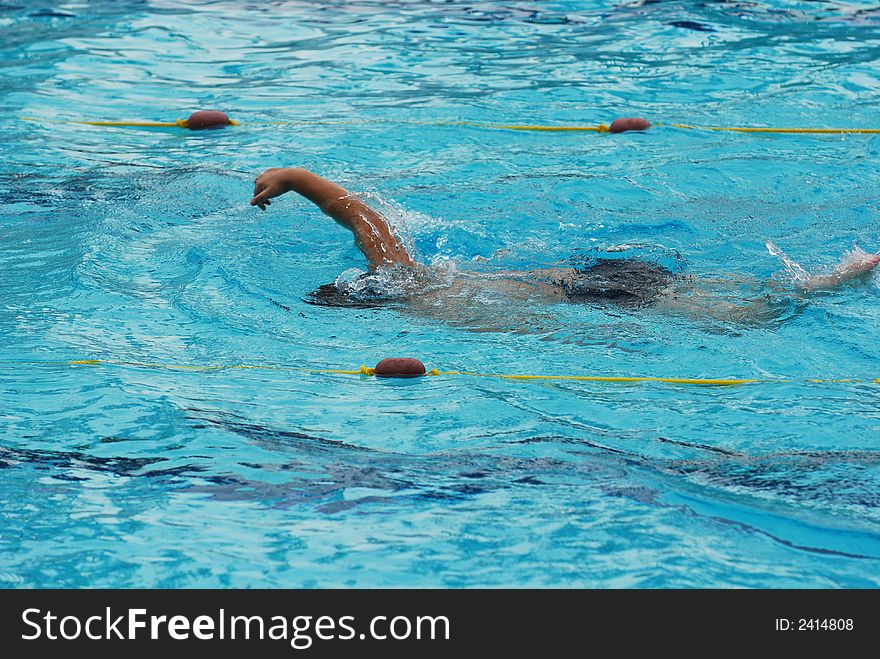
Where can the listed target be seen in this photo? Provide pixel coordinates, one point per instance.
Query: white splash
(853, 264)
(798, 273)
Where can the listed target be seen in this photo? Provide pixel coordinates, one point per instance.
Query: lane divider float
(212, 119)
(409, 367)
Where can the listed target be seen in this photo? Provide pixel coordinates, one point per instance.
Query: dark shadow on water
(322, 473)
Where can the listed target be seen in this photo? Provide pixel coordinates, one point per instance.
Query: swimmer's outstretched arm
(692, 298)
(854, 264)
(372, 234)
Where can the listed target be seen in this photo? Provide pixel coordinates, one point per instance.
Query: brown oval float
(624, 124)
(400, 367)
(207, 119)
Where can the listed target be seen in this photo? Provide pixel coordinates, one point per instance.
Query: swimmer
(622, 282)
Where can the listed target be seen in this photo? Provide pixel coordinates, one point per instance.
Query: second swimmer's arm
(372, 234)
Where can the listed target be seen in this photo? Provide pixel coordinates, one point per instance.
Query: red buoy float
(400, 367)
(208, 119)
(624, 124)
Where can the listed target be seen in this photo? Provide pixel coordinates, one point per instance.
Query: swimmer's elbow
(815, 283)
(384, 253)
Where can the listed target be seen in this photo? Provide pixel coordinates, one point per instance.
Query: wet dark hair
(331, 295)
(628, 283)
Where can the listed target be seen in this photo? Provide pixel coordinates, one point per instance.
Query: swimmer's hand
(272, 183)
(372, 233)
(853, 265)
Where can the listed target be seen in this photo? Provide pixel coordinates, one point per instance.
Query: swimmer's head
(366, 290)
(331, 295)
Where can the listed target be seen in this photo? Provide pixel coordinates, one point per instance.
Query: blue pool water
(132, 245)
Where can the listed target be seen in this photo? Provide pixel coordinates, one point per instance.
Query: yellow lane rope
(605, 378)
(364, 370)
(807, 131)
(180, 123)
(600, 128)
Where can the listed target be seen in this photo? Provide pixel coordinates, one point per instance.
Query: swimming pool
(130, 245)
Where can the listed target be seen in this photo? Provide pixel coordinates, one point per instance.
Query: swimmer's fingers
(271, 183)
(258, 188)
(262, 195)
